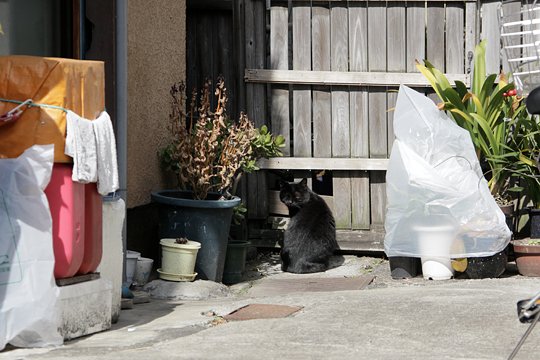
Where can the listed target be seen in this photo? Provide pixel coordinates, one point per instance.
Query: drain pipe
(121, 110)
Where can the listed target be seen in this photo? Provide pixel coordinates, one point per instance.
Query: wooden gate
(325, 74)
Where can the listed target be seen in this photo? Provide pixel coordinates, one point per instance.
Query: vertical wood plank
(435, 39)
(255, 35)
(322, 115)
(435, 34)
(279, 45)
(396, 58)
(340, 96)
(224, 65)
(301, 27)
(239, 59)
(416, 35)
(471, 33)
(340, 114)
(492, 33)
(239, 55)
(455, 40)
(358, 49)
(377, 36)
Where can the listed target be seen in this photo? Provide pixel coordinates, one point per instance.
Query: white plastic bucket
(178, 258)
(131, 265)
(434, 243)
(143, 270)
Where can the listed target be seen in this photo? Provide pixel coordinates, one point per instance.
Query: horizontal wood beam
(345, 78)
(298, 163)
(342, 1)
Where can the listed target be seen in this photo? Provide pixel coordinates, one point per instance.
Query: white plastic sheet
(434, 181)
(28, 293)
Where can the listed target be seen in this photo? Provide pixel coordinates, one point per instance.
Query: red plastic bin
(66, 201)
(93, 234)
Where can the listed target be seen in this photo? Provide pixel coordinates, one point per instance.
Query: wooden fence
(325, 74)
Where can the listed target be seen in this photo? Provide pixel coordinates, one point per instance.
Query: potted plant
(178, 257)
(208, 152)
(489, 111)
(526, 139)
(527, 253)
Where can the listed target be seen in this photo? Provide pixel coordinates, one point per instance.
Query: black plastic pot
(235, 261)
(535, 223)
(402, 267)
(205, 221)
(488, 266)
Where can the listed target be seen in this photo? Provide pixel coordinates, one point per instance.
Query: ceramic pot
(178, 260)
(527, 257)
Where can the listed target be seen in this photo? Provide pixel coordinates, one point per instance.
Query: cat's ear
(283, 184)
(303, 182)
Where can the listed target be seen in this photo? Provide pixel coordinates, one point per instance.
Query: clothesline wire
(33, 104)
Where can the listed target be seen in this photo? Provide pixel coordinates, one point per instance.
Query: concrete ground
(388, 319)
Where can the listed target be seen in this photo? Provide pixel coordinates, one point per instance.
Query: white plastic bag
(434, 179)
(28, 293)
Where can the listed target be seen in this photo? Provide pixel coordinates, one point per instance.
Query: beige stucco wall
(156, 59)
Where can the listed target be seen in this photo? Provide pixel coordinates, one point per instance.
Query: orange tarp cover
(77, 85)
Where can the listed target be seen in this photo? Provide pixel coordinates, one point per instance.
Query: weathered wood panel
(341, 146)
(279, 44)
(301, 29)
(345, 62)
(491, 32)
(471, 33)
(378, 143)
(416, 34)
(455, 42)
(358, 101)
(396, 57)
(353, 78)
(255, 55)
(435, 38)
(322, 102)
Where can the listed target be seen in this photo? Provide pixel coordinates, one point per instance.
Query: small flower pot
(403, 267)
(178, 260)
(434, 242)
(235, 261)
(535, 223)
(527, 257)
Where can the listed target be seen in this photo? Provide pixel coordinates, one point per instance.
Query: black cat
(310, 238)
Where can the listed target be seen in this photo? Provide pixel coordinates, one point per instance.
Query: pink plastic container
(93, 242)
(66, 201)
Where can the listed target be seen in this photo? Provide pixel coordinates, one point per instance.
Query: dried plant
(209, 152)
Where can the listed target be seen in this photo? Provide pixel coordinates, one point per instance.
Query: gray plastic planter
(205, 221)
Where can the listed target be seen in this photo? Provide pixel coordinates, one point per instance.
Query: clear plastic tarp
(436, 189)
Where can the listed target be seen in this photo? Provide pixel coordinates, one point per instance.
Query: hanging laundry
(107, 164)
(92, 145)
(81, 146)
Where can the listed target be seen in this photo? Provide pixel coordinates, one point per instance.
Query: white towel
(81, 146)
(107, 164)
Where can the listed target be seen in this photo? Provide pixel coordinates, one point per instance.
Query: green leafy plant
(525, 138)
(491, 112)
(209, 152)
